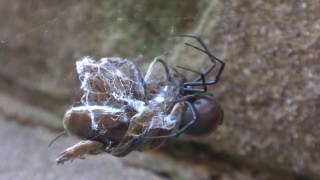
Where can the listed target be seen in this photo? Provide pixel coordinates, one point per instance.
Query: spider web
(113, 86)
(48, 37)
(59, 12)
(41, 25)
(38, 48)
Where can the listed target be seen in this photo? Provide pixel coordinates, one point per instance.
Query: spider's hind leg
(212, 58)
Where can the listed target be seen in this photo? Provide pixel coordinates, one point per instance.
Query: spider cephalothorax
(120, 111)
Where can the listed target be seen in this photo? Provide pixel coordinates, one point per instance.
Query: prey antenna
(57, 137)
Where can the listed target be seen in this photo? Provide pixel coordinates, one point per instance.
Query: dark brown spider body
(210, 116)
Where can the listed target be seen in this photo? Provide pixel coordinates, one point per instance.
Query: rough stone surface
(270, 89)
(25, 155)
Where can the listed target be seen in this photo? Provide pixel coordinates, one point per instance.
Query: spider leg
(131, 146)
(182, 129)
(164, 64)
(203, 82)
(192, 97)
(211, 57)
(126, 148)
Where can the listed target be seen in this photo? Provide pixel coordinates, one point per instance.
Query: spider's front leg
(80, 149)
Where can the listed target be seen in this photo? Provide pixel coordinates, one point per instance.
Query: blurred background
(270, 89)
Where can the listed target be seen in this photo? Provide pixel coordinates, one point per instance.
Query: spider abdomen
(210, 116)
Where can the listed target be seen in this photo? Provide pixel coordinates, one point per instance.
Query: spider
(121, 111)
(204, 113)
